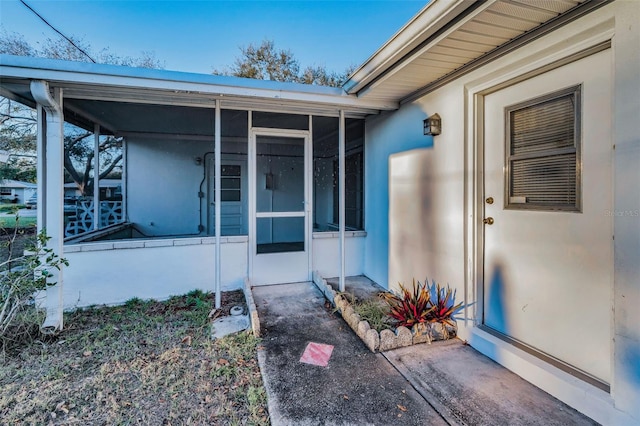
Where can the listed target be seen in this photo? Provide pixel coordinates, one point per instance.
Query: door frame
(474, 157)
(251, 176)
(475, 183)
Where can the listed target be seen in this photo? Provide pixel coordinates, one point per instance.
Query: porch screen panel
(543, 153)
(280, 174)
(110, 182)
(234, 211)
(280, 234)
(354, 176)
(276, 120)
(325, 173)
(80, 180)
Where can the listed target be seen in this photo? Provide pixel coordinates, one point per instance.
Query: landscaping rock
(403, 337)
(421, 333)
(363, 327)
(351, 317)
(387, 340)
(372, 340)
(341, 302)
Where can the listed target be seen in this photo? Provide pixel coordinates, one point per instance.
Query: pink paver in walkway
(317, 354)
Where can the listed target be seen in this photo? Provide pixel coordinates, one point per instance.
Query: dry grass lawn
(150, 363)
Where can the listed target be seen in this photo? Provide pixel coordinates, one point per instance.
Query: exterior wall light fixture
(269, 182)
(432, 125)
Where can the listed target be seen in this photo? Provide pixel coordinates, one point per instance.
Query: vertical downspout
(218, 167)
(53, 185)
(341, 202)
(96, 176)
(41, 169)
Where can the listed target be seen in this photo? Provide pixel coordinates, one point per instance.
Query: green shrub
(21, 277)
(375, 312)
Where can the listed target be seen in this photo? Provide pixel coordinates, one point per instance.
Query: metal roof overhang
(449, 38)
(92, 92)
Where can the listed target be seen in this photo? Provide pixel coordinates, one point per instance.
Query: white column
(218, 168)
(123, 181)
(53, 218)
(96, 176)
(309, 201)
(341, 189)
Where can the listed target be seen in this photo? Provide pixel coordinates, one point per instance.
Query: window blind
(542, 153)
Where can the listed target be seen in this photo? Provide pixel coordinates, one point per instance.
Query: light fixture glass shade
(432, 125)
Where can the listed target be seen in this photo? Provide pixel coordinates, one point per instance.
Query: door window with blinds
(543, 153)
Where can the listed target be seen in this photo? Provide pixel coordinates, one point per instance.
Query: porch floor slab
(437, 384)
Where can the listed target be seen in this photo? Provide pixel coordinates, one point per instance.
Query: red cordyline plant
(443, 307)
(409, 307)
(425, 304)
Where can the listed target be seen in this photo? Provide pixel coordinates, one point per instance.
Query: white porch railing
(81, 216)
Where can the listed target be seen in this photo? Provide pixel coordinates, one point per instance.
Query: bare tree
(18, 122)
(266, 62)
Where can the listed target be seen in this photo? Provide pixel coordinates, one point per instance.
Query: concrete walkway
(438, 384)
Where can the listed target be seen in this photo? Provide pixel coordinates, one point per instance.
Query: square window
(543, 153)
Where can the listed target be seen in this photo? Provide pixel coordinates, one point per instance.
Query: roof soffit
(431, 19)
(492, 29)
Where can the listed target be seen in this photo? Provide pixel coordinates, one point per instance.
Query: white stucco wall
(326, 253)
(162, 185)
(116, 271)
(384, 136)
(420, 188)
(426, 197)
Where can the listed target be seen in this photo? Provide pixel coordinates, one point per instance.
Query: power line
(54, 29)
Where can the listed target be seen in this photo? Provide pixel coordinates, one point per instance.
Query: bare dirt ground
(150, 363)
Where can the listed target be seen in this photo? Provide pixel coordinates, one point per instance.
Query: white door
(233, 178)
(548, 254)
(280, 193)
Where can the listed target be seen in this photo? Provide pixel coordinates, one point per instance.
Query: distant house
(109, 188)
(524, 197)
(16, 191)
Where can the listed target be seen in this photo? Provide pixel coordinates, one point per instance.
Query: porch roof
(449, 38)
(93, 93)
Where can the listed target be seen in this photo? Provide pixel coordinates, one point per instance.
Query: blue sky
(198, 36)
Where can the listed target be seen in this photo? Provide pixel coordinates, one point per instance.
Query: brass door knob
(489, 200)
(488, 221)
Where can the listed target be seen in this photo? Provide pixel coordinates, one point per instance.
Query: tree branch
(6, 117)
(68, 166)
(114, 163)
(73, 141)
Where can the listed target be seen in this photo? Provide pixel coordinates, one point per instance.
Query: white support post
(96, 176)
(341, 203)
(123, 181)
(53, 219)
(309, 200)
(218, 169)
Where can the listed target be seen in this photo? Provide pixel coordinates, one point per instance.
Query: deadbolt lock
(490, 200)
(488, 221)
